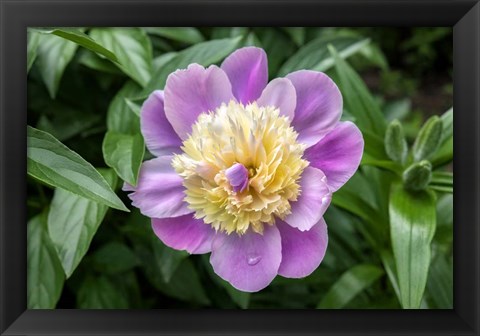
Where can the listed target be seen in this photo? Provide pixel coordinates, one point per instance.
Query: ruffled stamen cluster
(255, 141)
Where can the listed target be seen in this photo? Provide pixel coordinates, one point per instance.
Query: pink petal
(159, 135)
(319, 105)
(190, 92)
(248, 262)
(237, 176)
(159, 192)
(338, 154)
(280, 93)
(184, 233)
(302, 252)
(313, 201)
(247, 70)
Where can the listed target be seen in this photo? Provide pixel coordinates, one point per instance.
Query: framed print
(255, 167)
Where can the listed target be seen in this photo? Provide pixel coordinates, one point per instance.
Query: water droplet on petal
(253, 259)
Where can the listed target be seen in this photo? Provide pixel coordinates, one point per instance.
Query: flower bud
(428, 139)
(418, 175)
(395, 143)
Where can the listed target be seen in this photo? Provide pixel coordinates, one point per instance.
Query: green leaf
(397, 109)
(444, 232)
(349, 285)
(445, 178)
(132, 48)
(82, 39)
(101, 293)
(358, 100)
(54, 54)
(412, 226)
(72, 223)
(440, 188)
(204, 53)
(114, 258)
(440, 283)
(182, 34)
(119, 115)
(65, 122)
(167, 259)
(184, 285)
(33, 39)
(277, 46)
(444, 154)
(389, 265)
(315, 55)
(375, 56)
(297, 34)
(374, 146)
(51, 162)
(95, 62)
(123, 146)
(447, 122)
(124, 153)
(45, 276)
(135, 108)
(394, 167)
(160, 61)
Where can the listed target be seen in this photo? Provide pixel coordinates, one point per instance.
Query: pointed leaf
(51, 162)
(54, 54)
(412, 226)
(113, 258)
(82, 39)
(357, 98)
(440, 283)
(349, 285)
(45, 276)
(73, 221)
(132, 48)
(32, 44)
(315, 55)
(119, 115)
(101, 293)
(124, 153)
(182, 34)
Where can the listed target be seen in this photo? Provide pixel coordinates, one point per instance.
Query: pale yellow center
(259, 139)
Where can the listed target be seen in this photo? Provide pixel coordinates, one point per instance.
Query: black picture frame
(17, 15)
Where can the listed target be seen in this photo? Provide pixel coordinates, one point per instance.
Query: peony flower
(245, 169)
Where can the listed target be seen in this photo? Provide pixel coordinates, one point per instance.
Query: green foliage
(357, 98)
(412, 226)
(350, 284)
(132, 49)
(73, 221)
(53, 55)
(44, 273)
(54, 164)
(32, 45)
(77, 36)
(390, 227)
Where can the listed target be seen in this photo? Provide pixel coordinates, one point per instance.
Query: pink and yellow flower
(245, 169)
